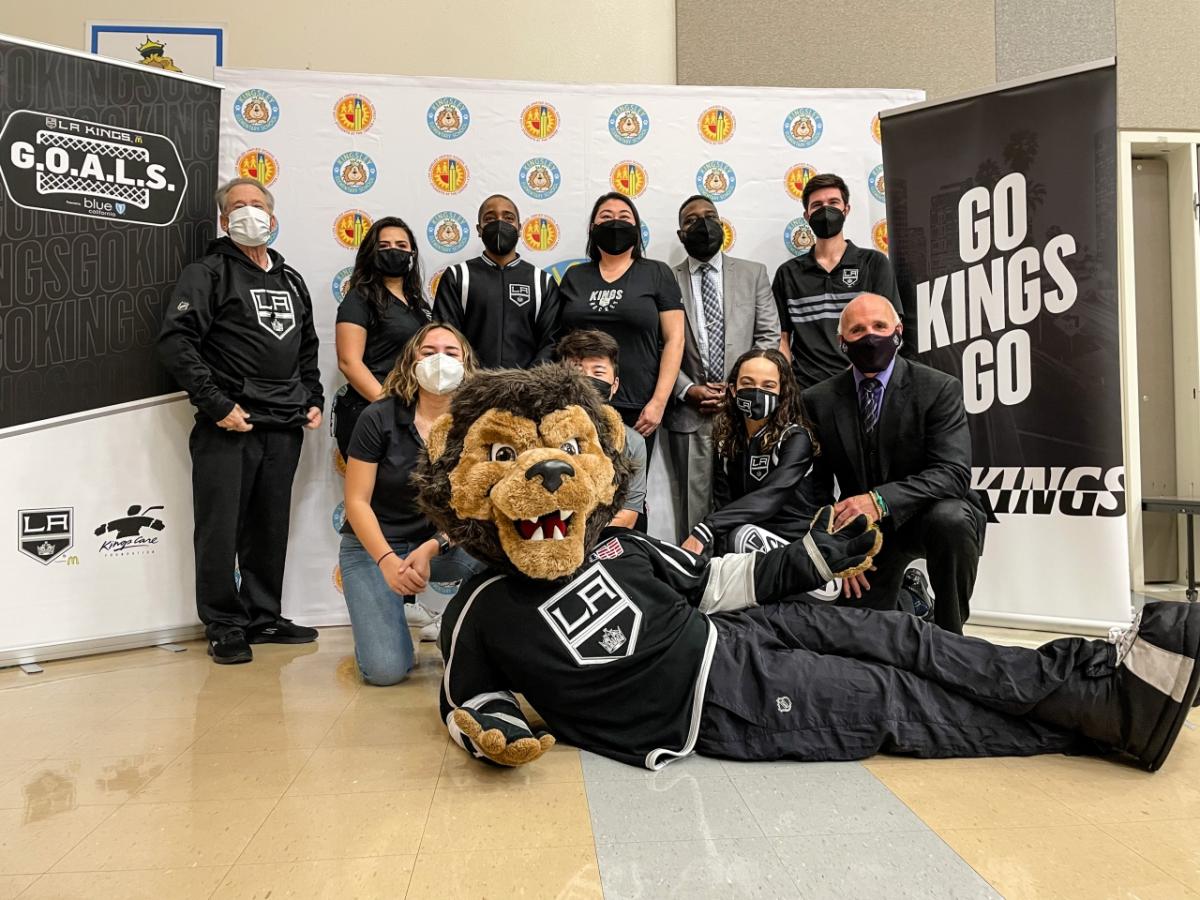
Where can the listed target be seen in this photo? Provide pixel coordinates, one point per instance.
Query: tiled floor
(158, 775)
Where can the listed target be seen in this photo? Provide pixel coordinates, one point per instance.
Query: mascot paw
(500, 740)
(851, 549)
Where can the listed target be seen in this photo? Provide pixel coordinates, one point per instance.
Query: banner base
(25, 656)
(1055, 624)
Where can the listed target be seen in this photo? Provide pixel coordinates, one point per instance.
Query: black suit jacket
(924, 441)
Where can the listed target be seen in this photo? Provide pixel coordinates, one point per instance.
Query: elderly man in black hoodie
(239, 338)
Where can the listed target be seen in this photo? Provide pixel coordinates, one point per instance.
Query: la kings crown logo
(274, 311)
(594, 618)
(58, 164)
(45, 534)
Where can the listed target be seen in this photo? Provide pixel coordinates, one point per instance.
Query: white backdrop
(341, 150)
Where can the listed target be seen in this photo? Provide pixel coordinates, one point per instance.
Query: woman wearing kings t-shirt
(636, 301)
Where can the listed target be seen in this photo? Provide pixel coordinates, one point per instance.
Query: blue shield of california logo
(803, 127)
(354, 172)
(540, 178)
(716, 180)
(256, 110)
(628, 123)
(448, 118)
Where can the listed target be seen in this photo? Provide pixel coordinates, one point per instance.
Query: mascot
(637, 650)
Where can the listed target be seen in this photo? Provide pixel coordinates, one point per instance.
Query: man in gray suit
(729, 309)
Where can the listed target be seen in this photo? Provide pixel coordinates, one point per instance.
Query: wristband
(443, 544)
(880, 505)
(385, 556)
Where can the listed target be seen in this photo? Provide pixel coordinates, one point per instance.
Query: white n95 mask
(440, 373)
(250, 226)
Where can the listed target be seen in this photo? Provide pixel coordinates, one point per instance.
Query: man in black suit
(894, 434)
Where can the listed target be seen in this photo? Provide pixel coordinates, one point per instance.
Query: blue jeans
(382, 644)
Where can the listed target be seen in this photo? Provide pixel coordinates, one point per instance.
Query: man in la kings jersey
(640, 651)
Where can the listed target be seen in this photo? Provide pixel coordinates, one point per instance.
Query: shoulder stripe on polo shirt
(464, 283)
(822, 298)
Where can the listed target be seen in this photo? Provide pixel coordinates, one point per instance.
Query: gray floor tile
(684, 808)
(600, 768)
(916, 865)
(824, 801)
(790, 767)
(695, 870)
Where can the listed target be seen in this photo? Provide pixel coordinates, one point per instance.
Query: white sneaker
(431, 631)
(418, 615)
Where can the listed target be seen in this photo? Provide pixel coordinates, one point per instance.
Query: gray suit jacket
(751, 321)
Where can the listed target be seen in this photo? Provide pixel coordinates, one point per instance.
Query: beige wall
(1158, 64)
(571, 40)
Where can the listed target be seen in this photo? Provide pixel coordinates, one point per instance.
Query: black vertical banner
(108, 175)
(1002, 227)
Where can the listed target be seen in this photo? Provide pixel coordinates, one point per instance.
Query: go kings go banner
(1004, 242)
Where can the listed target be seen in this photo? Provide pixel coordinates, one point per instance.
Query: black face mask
(755, 403)
(499, 237)
(614, 236)
(703, 238)
(873, 352)
(393, 263)
(827, 222)
(603, 388)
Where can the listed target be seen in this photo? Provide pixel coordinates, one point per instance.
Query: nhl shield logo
(45, 534)
(759, 466)
(849, 277)
(274, 311)
(594, 618)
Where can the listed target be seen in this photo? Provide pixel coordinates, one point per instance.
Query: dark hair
(369, 280)
(690, 200)
(824, 180)
(590, 344)
(593, 252)
(489, 199)
(729, 431)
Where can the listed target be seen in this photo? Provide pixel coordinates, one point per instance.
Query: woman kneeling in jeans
(389, 549)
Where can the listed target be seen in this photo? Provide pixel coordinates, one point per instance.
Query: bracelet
(385, 556)
(880, 506)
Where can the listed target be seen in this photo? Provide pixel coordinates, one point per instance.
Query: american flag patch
(610, 549)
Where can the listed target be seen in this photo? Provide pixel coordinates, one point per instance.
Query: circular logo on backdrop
(539, 121)
(628, 178)
(339, 517)
(448, 232)
(875, 183)
(448, 118)
(645, 236)
(628, 123)
(879, 235)
(435, 281)
(559, 269)
(540, 178)
(274, 234)
(715, 180)
(337, 579)
(448, 174)
(354, 172)
(803, 127)
(540, 232)
(798, 237)
(354, 114)
(716, 124)
(341, 284)
(730, 235)
(339, 462)
(875, 133)
(796, 178)
(259, 165)
(256, 110)
(350, 227)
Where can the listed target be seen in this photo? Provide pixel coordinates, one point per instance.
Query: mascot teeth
(550, 527)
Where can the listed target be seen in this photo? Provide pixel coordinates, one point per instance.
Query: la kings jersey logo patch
(849, 277)
(610, 549)
(519, 294)
(594, 618)
(275, 311)
(759, 466)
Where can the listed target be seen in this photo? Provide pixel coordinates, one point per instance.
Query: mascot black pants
(242, 494)
(794, 680)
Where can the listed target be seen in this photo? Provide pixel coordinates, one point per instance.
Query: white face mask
(440, 373)
(250, 226)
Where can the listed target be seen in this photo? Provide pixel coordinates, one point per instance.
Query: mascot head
(525, 470)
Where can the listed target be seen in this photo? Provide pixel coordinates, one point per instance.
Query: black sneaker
(230, 648)
(283, 631)
(917, 586)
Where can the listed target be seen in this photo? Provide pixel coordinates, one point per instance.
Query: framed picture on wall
(191, 49)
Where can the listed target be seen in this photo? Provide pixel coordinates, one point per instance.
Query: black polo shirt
(386, 435)
(810, 300)
(387, 333)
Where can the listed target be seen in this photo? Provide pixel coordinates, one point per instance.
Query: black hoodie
(234, 333)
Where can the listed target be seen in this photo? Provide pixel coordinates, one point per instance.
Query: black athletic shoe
(230, 648)
(283, 631)
(917, 586)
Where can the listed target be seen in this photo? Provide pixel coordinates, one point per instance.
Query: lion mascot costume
(640, 651)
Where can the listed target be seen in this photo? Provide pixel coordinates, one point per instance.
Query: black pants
(817, 682)
(242, 494)
(949, 537)
(630, 417)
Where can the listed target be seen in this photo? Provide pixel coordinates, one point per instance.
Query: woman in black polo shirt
(383, 309)
(636, 301)
(389, 549)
